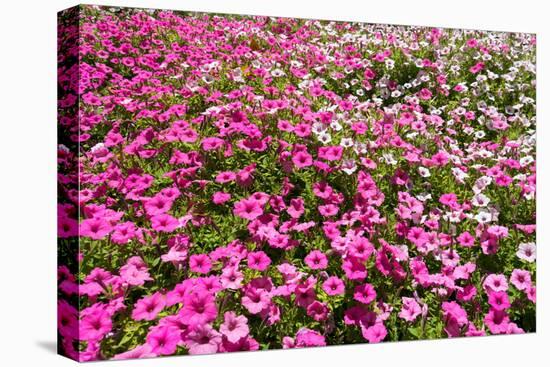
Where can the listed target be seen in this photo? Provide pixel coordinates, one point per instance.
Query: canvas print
(239, 183)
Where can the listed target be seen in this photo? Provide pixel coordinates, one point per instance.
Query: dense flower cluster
(232, 183)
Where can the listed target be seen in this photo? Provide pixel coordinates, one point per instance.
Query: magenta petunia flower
(141, 351)
(157, 205)
(296, 208)
(375, 333)
(302, 130)
(497, 321)
(328, 210)
(258, 260)
(455, 317)
(332, 153)
(133, 275)
(198, 308)
(163, 340)
(248, 209)
(94, 324)
(67, 320)
(425, 94)
(164, 223)
(95, 228)
(364, 293)
(124, 232)
(317, 310)
(220, 197)
(224, 177)
(211, 143)
(67, 227)
(309, 338)
(316, 260)
(148, 307)
(322, 190)
(334, 286)
(200, 263)
(354, 269)
(243, 344)
(465, 239)
(499, 300)
(302, 160)
(255, 300)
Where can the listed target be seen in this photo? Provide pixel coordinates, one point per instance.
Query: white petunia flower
(483, 217)
(480, 200)
(318, 128)
(527, 251)
(424, 172)
(388, 158)
(324, 138)
(346, 142)
(349, 166)
(334, 125)
(525, 161)
(424, 197)
(277, 73)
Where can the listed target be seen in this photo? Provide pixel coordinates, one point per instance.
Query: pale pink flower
(234, 327)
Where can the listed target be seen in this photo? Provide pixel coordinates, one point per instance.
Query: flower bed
(231, 183)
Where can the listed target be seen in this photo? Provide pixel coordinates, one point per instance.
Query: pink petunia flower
(354, 269)
(331, 153)
(224, 177)
(220, 197)
(328, 210)
(258, 260)
(234, 327)
(141, 351)
(317, 310)
(465, 239)
(255, 300)
(334, 286)
(231, 277)
(203, 340)
(309, 338)
(302, 160)
(499, 300)
(521, 279)
(200, 263)
(296, 208)
(410, 310)
(133, 275)
(497, 321)
(495, 283)
(198, 308)
(375, 333)
(95, 228)
(157, 205)
(248, 209)
(95, 323)
(527, 251)
(163, 339)
(364, 293)
(164, 223)
(316, 260)
(244, 344)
